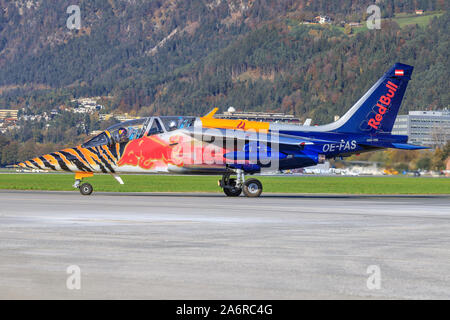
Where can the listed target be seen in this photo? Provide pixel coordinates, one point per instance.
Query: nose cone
(70, 160)
(78, 159)
(53, 161)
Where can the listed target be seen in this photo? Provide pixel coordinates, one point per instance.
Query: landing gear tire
(229, 186)
(86, 189)
(231, 190)
(252, 188)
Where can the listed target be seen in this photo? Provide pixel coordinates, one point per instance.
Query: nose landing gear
(85, 188)
(234, 187)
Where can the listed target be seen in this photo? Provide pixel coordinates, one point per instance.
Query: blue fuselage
(338, 145)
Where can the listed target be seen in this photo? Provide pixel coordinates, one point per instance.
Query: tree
(423, 163)
(10, 153)
(348, 29)
(446, 151)
(440, 157)
(437, 161)
(27, 151)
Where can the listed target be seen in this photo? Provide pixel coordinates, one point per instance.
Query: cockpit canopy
(135, 129)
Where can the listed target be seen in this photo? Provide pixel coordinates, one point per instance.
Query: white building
(427, 128)
(87, 105)
(323, 19)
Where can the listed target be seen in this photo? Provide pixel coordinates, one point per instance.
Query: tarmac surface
(208, 246)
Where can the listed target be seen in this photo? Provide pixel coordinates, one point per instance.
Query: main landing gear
(234, 187)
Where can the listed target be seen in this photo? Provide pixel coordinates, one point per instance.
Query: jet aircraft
(235, 149)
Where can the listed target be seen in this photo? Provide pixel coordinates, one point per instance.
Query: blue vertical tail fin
(376, 111)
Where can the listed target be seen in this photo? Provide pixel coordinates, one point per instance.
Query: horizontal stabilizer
(406, 146)
(394, 145)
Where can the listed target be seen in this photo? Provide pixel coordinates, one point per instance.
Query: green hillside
(410, 19)
(185, 57)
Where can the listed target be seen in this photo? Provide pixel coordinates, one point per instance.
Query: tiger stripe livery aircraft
(208, 145)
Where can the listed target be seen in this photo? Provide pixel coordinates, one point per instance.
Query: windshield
(101, 139)
(173, 123)
(135, 129)
(155, 128)
(128, 130)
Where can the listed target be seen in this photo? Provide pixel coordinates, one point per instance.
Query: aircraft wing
(283, 140)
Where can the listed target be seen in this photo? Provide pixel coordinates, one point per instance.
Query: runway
(208, 246)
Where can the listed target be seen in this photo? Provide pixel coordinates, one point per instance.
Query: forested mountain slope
(166, 57)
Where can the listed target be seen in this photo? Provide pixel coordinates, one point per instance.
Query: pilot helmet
(122, 133)
(172, 125)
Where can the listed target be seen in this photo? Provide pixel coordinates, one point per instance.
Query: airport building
(427, 128)
(8, 114)
(258, 116)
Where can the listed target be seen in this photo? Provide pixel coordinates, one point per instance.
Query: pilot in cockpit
(173, 126)
(123, 135)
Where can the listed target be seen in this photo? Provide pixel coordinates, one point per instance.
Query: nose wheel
(86, 189)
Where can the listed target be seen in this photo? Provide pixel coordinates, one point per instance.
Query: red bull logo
(147, 153)
(383, 104)
(241, 125)
(153, 152)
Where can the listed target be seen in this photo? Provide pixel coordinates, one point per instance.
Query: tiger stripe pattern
(102, 158)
